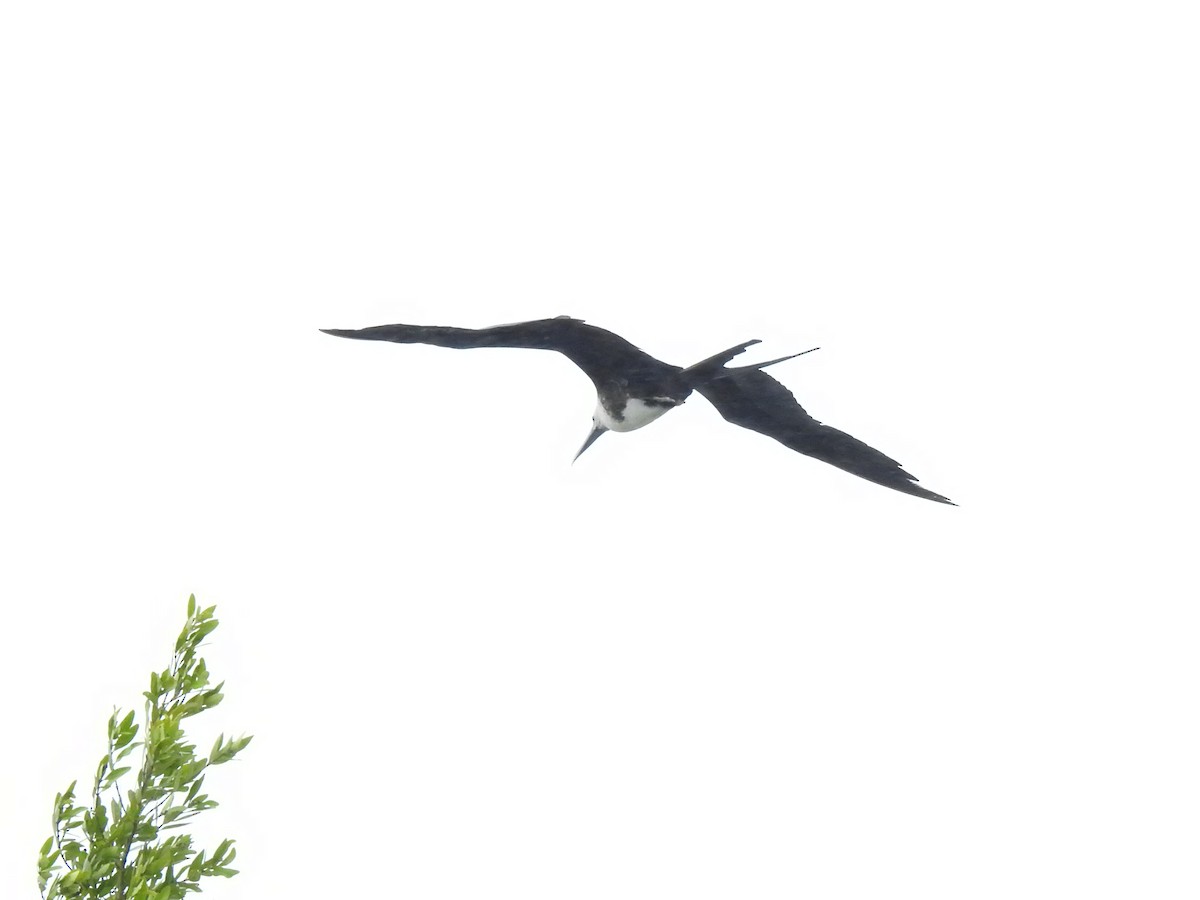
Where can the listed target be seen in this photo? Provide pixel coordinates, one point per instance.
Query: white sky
(694, 664)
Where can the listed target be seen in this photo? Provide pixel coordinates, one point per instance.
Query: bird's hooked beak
(597, 430)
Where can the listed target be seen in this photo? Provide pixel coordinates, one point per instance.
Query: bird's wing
(596, 351)
(754, 400)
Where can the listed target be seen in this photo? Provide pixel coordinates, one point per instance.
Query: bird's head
(598, 428)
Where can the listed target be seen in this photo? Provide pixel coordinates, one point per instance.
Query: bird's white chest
(636, 414)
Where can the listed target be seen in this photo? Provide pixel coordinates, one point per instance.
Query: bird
(634, 389)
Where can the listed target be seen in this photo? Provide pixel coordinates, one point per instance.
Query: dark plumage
(633, 388)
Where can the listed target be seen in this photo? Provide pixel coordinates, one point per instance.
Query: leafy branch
(113, 848)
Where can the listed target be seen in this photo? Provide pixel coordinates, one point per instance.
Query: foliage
(113, 847)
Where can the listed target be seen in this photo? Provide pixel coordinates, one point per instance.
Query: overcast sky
(693, 664)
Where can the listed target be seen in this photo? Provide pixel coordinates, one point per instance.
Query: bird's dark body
(628, 379)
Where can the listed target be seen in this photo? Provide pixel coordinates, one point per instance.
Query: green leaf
(219, 854)
(191, 605)
(196, 867)
(115, 774)
(125, 751)
(95, 823)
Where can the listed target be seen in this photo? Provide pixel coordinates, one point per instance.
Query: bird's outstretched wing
(596, 351)
(754, 400)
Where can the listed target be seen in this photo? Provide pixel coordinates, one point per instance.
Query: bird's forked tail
(707, 368)
(714, 366)
(763, 365)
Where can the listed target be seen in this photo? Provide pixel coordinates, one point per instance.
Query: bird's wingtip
(931, 495)
(910, 486)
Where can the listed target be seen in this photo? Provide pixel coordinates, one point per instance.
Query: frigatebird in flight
(633, 389)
